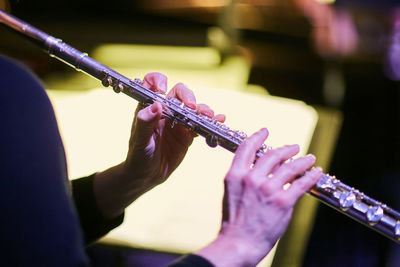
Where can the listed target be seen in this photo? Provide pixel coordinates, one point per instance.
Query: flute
(328, 189)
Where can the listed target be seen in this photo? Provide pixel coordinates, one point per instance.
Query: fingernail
(191, 105)
(310, 156)
(264, 131)
(293, 146)
(154, 108)
(316, 169)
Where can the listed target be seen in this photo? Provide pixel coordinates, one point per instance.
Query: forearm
(115, 189)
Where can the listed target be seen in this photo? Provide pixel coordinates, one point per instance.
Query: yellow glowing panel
(150, 55)
(202, 66)
(325, 1)
(183, 214)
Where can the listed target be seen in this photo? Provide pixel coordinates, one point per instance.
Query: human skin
(257, 208)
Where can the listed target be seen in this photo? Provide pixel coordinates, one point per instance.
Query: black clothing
(41, 225)
(94, 225)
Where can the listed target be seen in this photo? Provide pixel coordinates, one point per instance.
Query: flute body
(328, 190)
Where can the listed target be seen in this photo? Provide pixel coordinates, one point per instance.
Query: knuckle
(234, 174)
(151, 76)
(180, 87)
(282, 202)
(244, 144)
(250, 181)
(162, 75)
(273, 156)
(154, 73)
(267, 188)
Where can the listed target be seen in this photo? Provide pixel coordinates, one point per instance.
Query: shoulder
(14, 71)
(18, 82)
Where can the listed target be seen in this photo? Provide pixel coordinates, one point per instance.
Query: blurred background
(341, 58)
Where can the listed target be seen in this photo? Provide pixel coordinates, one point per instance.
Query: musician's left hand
(257, 204)
(155, 148)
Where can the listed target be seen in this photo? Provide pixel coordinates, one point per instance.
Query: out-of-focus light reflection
(326, 1)
(127, 55)
(286, 186)
(179, 4)
(392, 67)
(202, 66)
(209, 3)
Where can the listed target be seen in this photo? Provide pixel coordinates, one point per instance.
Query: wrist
(136, 179)
(115, 189)
(227, 250)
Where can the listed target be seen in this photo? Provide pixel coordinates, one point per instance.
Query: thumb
(146, 122)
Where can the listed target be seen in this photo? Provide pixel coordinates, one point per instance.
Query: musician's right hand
(155, 149)
(257, 206)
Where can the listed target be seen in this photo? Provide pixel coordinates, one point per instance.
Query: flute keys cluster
(358, 205)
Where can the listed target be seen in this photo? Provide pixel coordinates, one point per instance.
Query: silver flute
(328, 190)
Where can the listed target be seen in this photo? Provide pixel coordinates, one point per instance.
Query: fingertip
(148, 114)
(295, 148)
(184, 94)
(191, 104)
(189, 99)
(317, 170)
(264, 131)
(311, 157)
(315, 174)
(220, 117)
(155, 81)
(261, 135)
(155, 108)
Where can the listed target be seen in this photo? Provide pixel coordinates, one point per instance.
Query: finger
(155, 81)
(290, 170)
(273, 158)
(245, 153)
(181, 92)
(220, 118)
(146, 122)
(139, 107)
(205, 110)
(304, 183)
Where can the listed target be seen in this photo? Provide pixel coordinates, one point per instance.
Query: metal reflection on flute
(328, 190)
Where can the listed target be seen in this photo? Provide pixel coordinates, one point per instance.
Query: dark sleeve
(39, 224)
(94, 225)
(191, 260)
